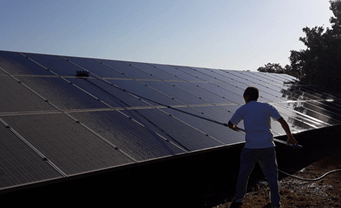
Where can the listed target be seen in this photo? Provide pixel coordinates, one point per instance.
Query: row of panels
(67, 66)
(55, 124)
(67, 96)
(85, 93)
(76, 149)
(77, 93)
(88, 141)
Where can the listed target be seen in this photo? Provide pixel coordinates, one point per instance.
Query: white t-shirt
(257, 122)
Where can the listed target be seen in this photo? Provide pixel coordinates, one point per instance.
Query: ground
(297, 193)
(320, 154)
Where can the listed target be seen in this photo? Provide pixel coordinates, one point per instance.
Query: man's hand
(233, 127)
(291, 140)
(285, 126)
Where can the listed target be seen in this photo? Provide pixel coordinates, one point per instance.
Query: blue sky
(224, 34)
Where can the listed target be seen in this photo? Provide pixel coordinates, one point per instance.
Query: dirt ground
(321, 154)
(297, 193)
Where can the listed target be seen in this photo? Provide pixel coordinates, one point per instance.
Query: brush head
(82, 73)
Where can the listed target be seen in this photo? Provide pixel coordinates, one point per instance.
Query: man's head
(251, 93)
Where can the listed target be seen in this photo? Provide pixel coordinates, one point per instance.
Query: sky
(220, 34)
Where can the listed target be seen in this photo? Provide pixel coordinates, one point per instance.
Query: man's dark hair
(252, 92)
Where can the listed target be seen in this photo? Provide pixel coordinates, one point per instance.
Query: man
(259, 145)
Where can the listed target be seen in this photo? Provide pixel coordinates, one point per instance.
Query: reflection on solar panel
(56, 124)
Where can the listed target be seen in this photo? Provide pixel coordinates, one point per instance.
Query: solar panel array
(54, 124)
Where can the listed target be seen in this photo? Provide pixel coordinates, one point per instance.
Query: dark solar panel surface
(181, 131)
(128, 112)
(61, 93)
(139, 141)
(127, 69)
(19, 164)
(55, 63)
(145, 91)
(98, 67)
(15, 97)
(175, 93)
(177, 73)
(17, 64)
(68, 144)
(211, 130)
(154, 71)
(201, 93)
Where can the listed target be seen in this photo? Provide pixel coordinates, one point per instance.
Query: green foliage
(277, 68)
(320, 63)
(272, 68)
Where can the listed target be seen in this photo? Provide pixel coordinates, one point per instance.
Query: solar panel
(174, 92)
(154, 71)
(215, 75)
(61, 93)
(212, 131)
(221, 113)
(180, 132)
(127, 69)
(296, 115)
(97, 67)
(110, 95)
(312, 111)
(176, 72)
(19, 164)
(227, 91)
(144, 91)
(126, 113)
(330, 107)
(54, 63)
(73, 148)
(196, 73)
(15, 97)
(201, 93)
(141, 142)
(16, 63)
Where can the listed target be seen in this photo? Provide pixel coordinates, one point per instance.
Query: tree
(320, 63)
(277, 68)
(272, 68)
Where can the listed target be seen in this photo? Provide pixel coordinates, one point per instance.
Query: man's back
(257, 122)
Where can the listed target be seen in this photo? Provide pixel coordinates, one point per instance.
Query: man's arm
(285, 126)
(232, 126)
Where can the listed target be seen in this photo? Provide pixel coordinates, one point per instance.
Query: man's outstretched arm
(285, 126)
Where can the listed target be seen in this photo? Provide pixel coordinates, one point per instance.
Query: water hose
(307, 179)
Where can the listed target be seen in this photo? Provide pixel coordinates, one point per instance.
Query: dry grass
(298, 193)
